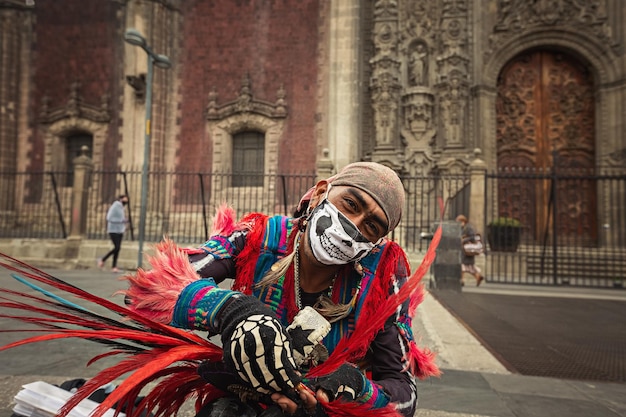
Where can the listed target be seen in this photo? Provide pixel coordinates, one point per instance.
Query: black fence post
(130, 212)
(554, 216)
(204, 216)
(58, 204)
(282, 180)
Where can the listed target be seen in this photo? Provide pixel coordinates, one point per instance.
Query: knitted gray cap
(380, 182)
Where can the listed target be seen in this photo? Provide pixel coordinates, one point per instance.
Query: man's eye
(350, 203)
(372, 228)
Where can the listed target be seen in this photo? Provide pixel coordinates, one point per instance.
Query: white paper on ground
(40, 399)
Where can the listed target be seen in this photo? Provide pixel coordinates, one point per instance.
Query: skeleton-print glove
(256, 345)
(348, 383)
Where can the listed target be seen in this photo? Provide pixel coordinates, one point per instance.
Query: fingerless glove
(348, 383)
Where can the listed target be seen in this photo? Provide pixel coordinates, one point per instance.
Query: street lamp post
(134, 37)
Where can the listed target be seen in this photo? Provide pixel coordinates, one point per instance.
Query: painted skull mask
(334, 239)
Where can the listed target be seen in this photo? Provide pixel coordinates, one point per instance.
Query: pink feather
(154, 292)
(224, 221)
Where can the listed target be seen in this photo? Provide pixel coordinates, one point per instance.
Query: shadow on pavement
(569, 338)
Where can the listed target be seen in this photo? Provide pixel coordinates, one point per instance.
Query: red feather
(347, 349)
(156, 350)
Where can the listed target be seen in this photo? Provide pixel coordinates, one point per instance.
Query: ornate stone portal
(430, 85)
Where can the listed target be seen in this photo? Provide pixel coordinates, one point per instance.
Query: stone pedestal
(447, 265)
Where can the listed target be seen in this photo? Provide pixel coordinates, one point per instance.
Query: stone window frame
(245, 113)
(222, 133)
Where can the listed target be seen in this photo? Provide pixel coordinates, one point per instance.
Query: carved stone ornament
(17, 4)
(417, 23)
(174, 5)
(617, 158)
(138, 83)
(75, 108)
(245, 103)
(453, 8)
(519, 15)
(386, 9)
(417, 106)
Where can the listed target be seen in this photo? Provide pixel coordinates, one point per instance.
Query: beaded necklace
(296, 276)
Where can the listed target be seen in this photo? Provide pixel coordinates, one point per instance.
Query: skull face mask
(334, 239)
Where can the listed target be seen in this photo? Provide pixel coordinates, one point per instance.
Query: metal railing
(572, 228)
(181, 205)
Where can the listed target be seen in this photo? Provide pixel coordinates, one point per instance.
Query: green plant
(505, 222)
(504, 234)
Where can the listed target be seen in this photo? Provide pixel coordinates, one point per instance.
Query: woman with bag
(472, 246)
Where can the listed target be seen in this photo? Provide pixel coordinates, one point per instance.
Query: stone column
(447, 265)
(478, 170)
(83, 167)
(344, 124)
(325, 166)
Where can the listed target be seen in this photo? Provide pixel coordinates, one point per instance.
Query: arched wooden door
(545, 108)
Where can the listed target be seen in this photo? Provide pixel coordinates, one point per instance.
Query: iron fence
(571, 231)
(182, 204)
(34, 205)
(572, 228)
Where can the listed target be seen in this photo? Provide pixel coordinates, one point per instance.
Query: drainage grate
(547, 336)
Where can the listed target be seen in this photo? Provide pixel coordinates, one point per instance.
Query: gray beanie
(380, 182)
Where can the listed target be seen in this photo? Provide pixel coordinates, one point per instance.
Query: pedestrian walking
(468, 259)
(116, 226)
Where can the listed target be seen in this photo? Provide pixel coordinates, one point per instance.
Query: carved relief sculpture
(418, 66)
(454, 76)
(454, 97)
(385, 82)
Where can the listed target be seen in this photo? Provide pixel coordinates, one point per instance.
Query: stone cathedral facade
(415, 84)
(517, 79)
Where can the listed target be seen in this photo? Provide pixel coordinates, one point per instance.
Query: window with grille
(73, 145)
(248, 159)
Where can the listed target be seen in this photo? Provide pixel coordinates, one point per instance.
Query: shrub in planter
(504, 234)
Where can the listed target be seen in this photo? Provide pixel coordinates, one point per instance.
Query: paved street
(474, 382)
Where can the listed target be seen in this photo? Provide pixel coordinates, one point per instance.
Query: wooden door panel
(545, 105)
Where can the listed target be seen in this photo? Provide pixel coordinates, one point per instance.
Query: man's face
(360, 208)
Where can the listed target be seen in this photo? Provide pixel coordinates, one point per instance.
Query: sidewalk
(473, 383)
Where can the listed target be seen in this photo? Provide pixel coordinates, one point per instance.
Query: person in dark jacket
(468, 262)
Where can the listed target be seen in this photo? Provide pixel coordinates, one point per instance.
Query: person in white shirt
(116, 226)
